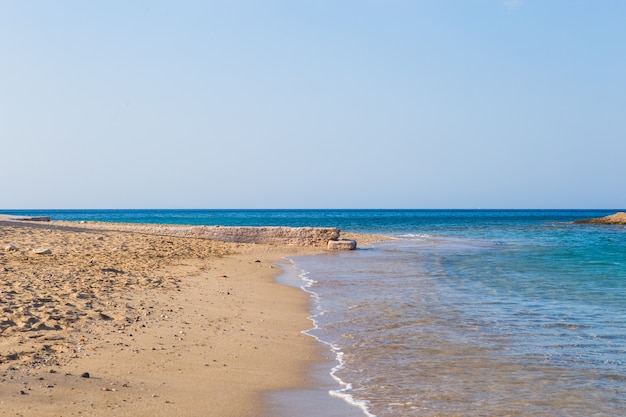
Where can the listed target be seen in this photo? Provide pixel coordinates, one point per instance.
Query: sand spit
(617, 218)
(101, 322)
(308, 237)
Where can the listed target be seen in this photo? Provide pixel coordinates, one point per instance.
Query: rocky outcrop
(273, 235)
(617, 218)
(295, 236)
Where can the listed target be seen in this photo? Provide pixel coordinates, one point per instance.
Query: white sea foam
(417, 236)
(343, 392)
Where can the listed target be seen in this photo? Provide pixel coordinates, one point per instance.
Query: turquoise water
(465, 313)
(479, 314)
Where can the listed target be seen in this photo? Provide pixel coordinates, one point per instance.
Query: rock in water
(617, 218)
(342, 244)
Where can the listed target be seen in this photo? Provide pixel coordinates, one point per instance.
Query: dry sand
(162, 325)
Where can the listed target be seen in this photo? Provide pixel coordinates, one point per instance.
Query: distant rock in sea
(617, 218)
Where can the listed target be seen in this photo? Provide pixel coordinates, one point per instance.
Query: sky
(312, 104)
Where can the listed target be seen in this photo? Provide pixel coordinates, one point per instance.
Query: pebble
(85, 375)
(46, 251)
(10, 248)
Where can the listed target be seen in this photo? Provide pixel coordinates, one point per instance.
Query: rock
(30, 218)
(85, 375)
(113, 270)
(617, 218)
(271, 235)
(277, 235)
(343, 244)
(10, 248)
(46, 251)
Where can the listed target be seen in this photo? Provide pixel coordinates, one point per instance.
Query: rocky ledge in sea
(617, 218)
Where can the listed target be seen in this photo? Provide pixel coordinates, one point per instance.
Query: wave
(343, 392)
(416, 236)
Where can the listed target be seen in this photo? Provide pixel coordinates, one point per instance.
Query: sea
(461, 313)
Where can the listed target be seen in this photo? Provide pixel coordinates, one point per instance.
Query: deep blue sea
(464, 313)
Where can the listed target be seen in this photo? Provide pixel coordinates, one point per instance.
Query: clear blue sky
(313, 104)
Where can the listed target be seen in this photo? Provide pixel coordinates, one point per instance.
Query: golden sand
(103, 323)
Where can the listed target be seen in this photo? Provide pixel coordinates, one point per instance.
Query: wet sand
(104, 322)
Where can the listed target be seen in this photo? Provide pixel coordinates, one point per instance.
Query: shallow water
(526, 320)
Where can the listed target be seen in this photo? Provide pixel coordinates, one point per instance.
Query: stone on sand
(43, 251)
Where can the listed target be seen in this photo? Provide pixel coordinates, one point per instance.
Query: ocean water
(464, 313)
(478, 314)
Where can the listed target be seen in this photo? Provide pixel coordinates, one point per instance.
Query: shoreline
(162, 325)
(315, 399)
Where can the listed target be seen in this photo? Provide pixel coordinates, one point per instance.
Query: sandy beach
(103, 322)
